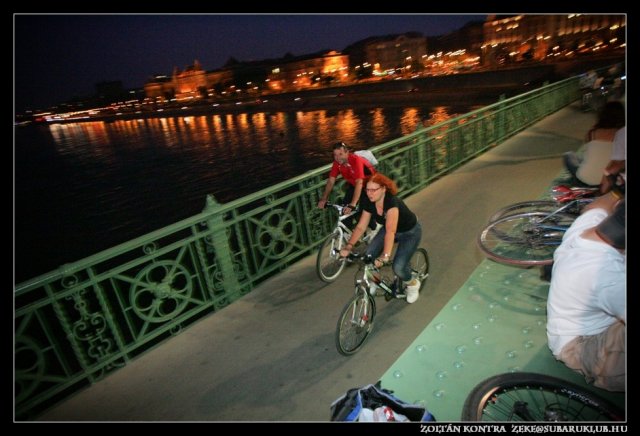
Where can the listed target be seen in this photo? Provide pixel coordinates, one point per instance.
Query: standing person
(354, 169)
(587, 165)
(400, 224)
(586, 306)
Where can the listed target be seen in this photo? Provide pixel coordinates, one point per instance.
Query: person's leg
(377, 244)
(604, 358)
(408, 242)
(571, 162)
(600, 358)
(348, 195)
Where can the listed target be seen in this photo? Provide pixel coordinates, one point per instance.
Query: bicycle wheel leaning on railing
(523, 396)
(525, 239)
(566, 199)
(524, 207)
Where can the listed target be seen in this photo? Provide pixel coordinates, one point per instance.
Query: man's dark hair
(340, 144)
(612, 229)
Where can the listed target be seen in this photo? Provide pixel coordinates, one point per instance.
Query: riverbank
(479, 96)
(478, 88)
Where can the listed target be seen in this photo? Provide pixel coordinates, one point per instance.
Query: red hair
(385, 181)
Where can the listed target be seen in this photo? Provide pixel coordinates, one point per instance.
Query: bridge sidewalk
(271, 356)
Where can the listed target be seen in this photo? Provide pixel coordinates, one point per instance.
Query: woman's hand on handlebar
(381, 261)
(348, 209)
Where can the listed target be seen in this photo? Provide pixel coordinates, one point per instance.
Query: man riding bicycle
(354, 169)
(399, 224)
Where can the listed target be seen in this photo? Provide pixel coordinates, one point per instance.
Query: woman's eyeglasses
(373, 189)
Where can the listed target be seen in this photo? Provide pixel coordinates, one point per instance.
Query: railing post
(421, 156)
(220, 243)
(549, 105)
(502, 118)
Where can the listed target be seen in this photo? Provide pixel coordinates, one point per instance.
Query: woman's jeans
(407, 241)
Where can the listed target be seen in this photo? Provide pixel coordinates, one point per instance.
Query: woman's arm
(357, 232)
(391, 227)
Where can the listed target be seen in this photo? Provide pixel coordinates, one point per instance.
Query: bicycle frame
(344, 231)
(372, 278)
(577, 202)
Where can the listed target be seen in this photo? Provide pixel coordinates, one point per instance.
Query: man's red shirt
(353, 169)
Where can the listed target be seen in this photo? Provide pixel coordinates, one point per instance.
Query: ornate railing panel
(84, 320)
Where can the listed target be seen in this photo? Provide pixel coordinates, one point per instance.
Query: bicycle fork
(361, 310)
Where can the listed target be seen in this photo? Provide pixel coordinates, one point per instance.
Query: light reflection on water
(84, 187)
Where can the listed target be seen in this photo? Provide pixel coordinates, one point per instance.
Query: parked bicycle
(573, 197)
(523, 396)
(527, 233)
(356, 319)
(329, 264)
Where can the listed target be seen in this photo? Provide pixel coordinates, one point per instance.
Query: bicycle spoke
(535, 397)
(354, 324)
(524, 239)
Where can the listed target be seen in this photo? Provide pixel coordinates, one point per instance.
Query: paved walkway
(270, 356)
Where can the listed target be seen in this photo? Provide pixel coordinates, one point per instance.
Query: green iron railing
(84, 320)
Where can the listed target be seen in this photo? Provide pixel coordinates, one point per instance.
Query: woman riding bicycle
(399, 224)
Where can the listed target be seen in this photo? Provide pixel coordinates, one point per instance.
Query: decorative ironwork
(30, 367)
(161, 291)
(91, 328)
(276, 234)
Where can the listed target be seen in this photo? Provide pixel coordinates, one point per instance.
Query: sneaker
(412, 290)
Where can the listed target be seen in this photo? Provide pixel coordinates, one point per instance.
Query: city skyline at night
(58, 57)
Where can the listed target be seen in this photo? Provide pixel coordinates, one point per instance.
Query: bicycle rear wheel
(547, 206)
(524, 396)
(523, 239)
(420, 265)
(355, 322)
(329, 265)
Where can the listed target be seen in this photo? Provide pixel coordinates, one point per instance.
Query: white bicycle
(329, 264)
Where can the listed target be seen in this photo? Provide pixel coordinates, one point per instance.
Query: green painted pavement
(495, 323)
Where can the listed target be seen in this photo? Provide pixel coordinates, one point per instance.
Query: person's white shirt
(595, 157)
(588, 285)
(619, 151)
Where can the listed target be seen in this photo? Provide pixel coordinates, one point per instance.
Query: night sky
(58, 57)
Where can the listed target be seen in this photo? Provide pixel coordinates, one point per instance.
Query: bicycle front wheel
(355, 322)
(420, 265)
(524, 396)
(525, 239)
(329, 265)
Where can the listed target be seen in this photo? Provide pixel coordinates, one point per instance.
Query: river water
(84, 187)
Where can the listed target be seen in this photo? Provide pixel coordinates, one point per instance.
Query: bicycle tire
(420, 265)
(351, 336)
(502, 398)
(524, 207)
(517, 239)
(328, 263)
